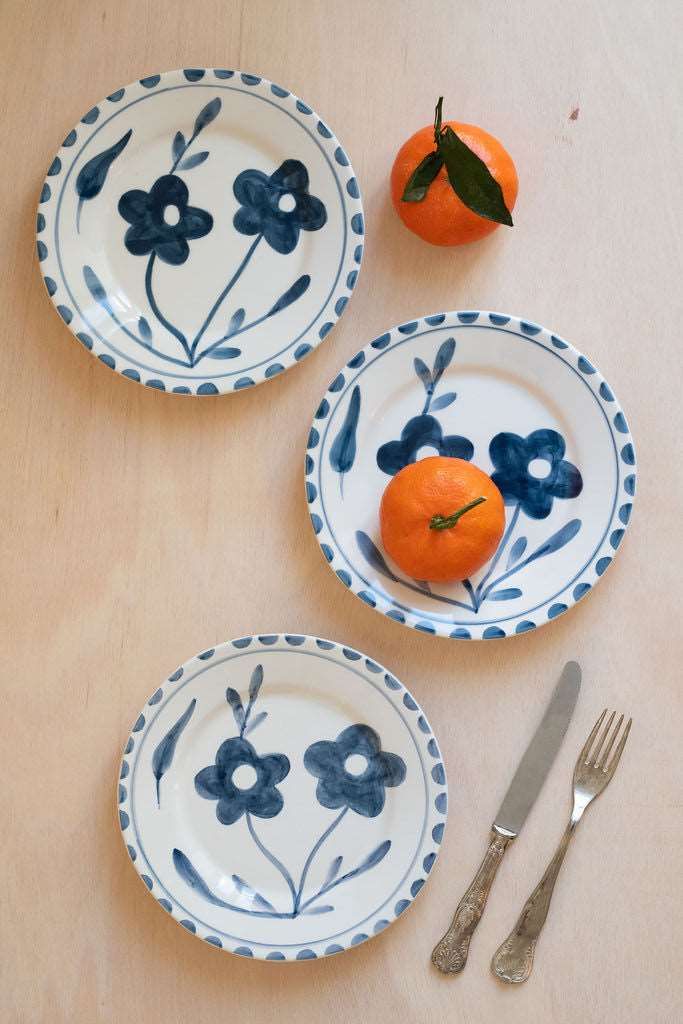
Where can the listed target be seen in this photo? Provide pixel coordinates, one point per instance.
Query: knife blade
(450, 953)
(539, 755)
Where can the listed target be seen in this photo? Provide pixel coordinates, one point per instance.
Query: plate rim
(553, 607)
(353, 216)
(420, 730)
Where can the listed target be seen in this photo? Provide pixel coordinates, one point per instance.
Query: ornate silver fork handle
(594, 769)
(514, 958)
(450, 953)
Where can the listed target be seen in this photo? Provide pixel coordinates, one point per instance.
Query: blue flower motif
(266, 203)
(338, 787)
(512, 455)
(150, 230)
(420, 431)
(262, 799)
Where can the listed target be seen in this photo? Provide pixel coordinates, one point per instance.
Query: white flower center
(355, 764)
(244, 776)
(286, 203)
(540, 468)
(171, 215)
(426, 452)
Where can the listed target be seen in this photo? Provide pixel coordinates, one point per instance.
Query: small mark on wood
(574, 116)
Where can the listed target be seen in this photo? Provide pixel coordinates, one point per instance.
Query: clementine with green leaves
(453, 183)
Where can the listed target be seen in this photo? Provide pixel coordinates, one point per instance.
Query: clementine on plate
(453, 183)
(441, 519)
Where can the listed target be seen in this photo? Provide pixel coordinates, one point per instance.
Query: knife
(450, 953)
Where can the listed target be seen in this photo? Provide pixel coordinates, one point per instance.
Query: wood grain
(138, 529)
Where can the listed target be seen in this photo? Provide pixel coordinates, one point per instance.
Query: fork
(594, 769)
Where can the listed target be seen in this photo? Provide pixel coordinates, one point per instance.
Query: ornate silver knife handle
(514, 958)
(450, 953)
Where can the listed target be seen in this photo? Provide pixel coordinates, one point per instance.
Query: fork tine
(615, 732)
(583, 756)
(595, 754)
(611, 767)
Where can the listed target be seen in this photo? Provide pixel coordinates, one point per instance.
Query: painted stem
(332, 885)
(246, 717)
(157, 312)
(219, 301)
(425, 593)
(184, 151)
(229, 337)
(506, 575)
(448, 522)
(149, 348)
(473, 597)
(309, 860)
(499, 552)
(272, 858)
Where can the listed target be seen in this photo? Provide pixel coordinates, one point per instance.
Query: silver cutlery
(594, 769)
(450, 953)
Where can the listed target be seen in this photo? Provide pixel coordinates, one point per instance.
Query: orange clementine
(417, 507)
(441, 217)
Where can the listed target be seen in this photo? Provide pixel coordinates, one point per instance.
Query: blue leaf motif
(255, 722)
(443, 401)
(332, 871)
(94, 286)
(291, 295)
(236, 321)
(378, 854)
(423, 372)
(162, 757)
(343, 450)
(193, 161)
(93, 174)
(507, 594)
(178, 146)
(443, 359)
(516, 551)
(245, 889)
(324, 909)
(557, 541)
(256, 682)
(145, 330)
(234, 700)
(225, 353)
(189, 874)
(207, 114)
(373, 556)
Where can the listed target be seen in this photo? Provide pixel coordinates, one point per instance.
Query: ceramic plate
(200, 231)
(524, 406)
(282, 797)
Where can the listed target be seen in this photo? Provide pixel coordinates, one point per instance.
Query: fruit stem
(439, 522)
(437, 121)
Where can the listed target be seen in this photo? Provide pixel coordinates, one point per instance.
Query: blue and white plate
(282, 797)
(524, 406)
(200, 231)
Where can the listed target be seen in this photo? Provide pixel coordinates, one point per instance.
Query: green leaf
(438, 119)
(471, 179)
(419, 181)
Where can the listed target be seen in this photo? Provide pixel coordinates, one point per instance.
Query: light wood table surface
(138, 529)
